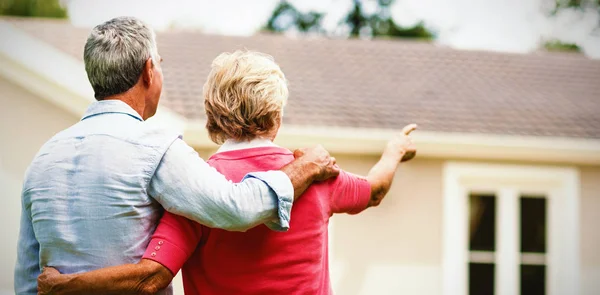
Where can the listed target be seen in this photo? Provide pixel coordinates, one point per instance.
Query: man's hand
(312, 164)
(401, 146)
(48, 280)
(320, 159)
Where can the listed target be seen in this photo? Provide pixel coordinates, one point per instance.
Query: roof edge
(367, 141)
(44, 75)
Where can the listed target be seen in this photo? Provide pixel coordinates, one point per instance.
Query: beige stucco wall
(26, 122)
(394, 248)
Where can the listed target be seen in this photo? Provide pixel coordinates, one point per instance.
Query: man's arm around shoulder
(185, 185)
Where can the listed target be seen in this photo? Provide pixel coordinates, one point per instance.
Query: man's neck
(133, 98)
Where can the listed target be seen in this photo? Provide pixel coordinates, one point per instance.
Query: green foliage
(381, 23)
(286, 17)
(33, 8)
(557, 45)
(560, 46)
(577, 4)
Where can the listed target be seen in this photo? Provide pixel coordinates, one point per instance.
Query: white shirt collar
(232, 145)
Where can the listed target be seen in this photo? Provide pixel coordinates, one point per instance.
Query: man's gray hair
(115, 54)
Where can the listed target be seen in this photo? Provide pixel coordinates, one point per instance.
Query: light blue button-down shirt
(94, 193)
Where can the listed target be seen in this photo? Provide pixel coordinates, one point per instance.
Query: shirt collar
(111, 106)
(232, 145)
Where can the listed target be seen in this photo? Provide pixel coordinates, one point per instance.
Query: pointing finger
(409, 128)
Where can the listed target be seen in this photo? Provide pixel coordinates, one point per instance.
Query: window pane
(533, 279)
(481, 279)
(533, 225)
(482, 222)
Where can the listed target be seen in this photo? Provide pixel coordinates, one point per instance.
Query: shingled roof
(386, 83)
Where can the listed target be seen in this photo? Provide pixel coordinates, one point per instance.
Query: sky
(517, 26)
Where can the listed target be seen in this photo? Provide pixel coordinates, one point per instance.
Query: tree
(286, 17)
(575, 4)
(557, 45)
(33, 8)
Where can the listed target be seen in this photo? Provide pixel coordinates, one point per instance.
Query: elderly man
(94, 193)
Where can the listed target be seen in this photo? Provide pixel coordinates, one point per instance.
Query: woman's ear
(275, 129)
(279, 121)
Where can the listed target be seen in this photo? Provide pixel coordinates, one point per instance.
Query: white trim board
(369, 141)
(560, 185)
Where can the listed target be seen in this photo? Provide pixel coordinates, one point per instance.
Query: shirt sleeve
(174, 241)
(27, 268)
(351, 194)
(186, 185)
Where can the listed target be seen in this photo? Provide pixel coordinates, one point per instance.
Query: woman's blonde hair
(244, 96)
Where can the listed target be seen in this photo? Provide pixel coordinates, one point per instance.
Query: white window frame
(560, 185)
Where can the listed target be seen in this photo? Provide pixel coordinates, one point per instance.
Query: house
(503, 197)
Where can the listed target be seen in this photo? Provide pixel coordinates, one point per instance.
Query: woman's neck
(232, 144)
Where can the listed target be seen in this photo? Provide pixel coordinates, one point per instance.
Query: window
(482, 244)
(510, 230)
(533, 245)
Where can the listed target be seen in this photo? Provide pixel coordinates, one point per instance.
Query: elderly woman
(244, 99)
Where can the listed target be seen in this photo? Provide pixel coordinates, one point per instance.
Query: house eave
(370, 142)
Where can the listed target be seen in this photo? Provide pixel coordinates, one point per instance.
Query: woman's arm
(399, 149)
(173, 242)
(352, 194)
(145, 277)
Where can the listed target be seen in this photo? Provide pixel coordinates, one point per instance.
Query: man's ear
(148, 72)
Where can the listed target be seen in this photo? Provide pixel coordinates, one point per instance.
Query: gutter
(441, 145)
